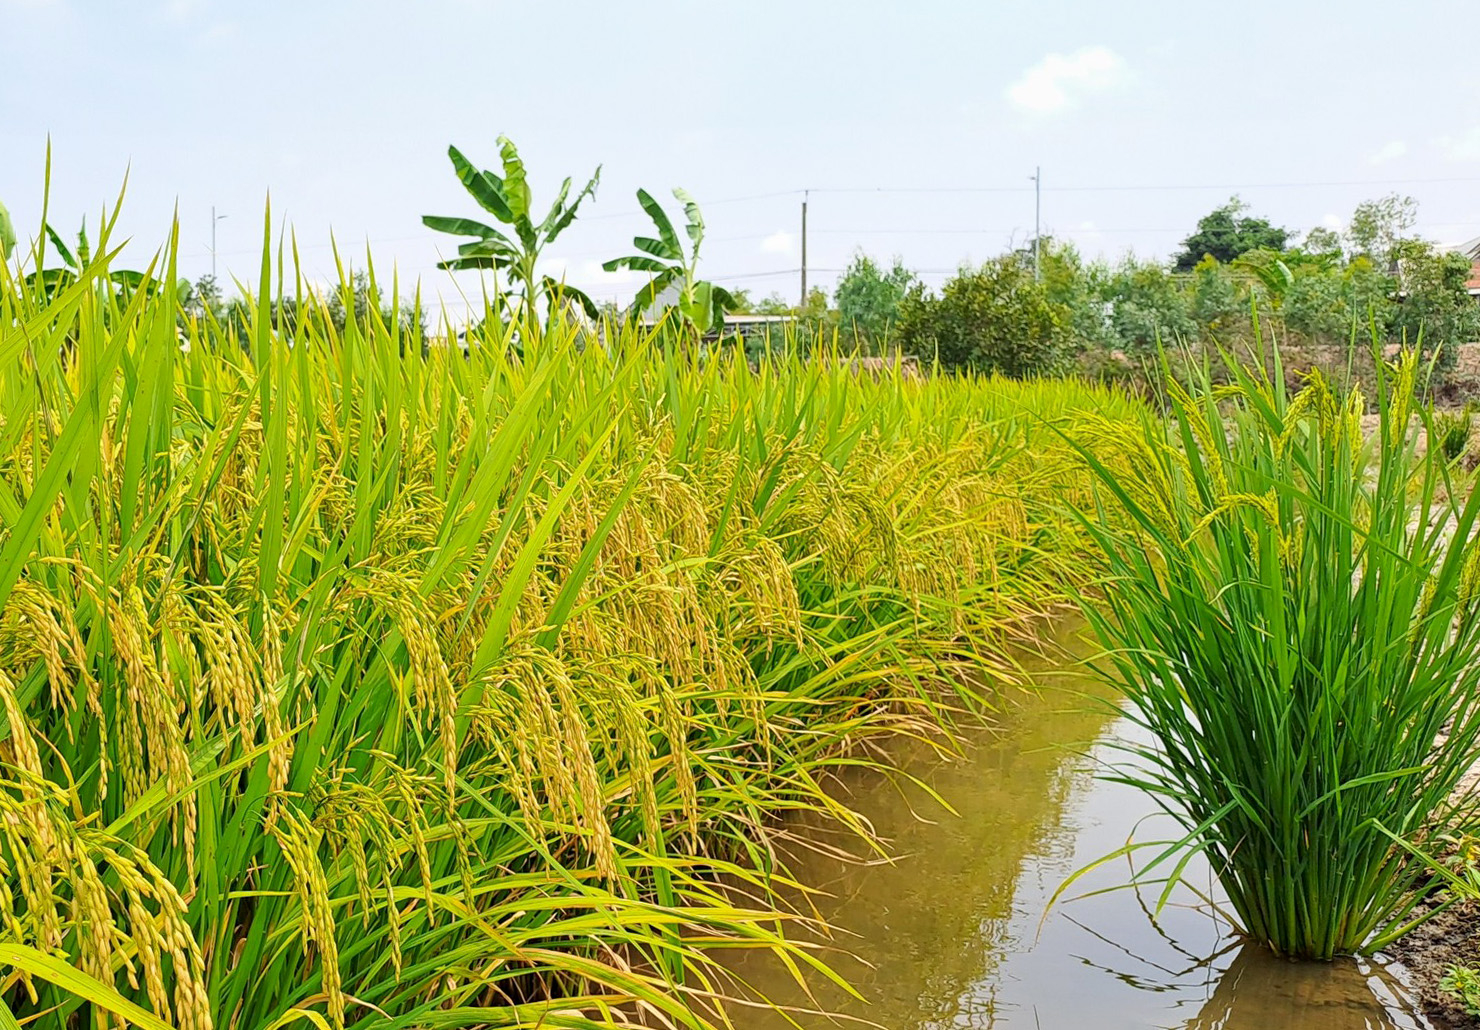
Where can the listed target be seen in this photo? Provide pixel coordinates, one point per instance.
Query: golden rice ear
(506, 653)
(299, 840)
(539, 721)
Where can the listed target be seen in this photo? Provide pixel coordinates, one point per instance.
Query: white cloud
(779, 242)
(1390, 151)
(1060, 81)
(1334, 222)
(1462, 147)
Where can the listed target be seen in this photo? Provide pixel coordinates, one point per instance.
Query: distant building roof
(1471, 250)
(733, 319)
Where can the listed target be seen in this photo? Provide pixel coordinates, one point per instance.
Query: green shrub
(991, 319)
(1148, 307)
(868, 298)
(1436, 312)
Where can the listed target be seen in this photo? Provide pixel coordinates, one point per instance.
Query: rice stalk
(1290, 608)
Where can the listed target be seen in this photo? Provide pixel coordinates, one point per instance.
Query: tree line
(1235, 275)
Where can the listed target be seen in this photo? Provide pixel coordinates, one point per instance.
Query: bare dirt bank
(1450, 938)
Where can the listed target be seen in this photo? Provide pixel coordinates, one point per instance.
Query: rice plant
(352, 685)
(1290, 610)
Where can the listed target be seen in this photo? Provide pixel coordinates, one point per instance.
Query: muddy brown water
(953, 934)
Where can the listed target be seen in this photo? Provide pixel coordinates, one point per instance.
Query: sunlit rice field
(347, 685)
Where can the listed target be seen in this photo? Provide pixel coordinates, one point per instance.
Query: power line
(857, 231)
(763, 275)
(1069, 232)
(1050, 231)
(1148, 187)
(895, 190)
(1270, 185)
(706, 204)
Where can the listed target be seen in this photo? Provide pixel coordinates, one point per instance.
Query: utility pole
(1037, 223)
(803, 301)
(214, 219)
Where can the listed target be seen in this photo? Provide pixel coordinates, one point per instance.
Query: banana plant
(514, 251)
(700, 304)
(7, 234)
(1271, 271)
(51, 281)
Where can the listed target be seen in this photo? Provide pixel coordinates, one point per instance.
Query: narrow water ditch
(952, 935)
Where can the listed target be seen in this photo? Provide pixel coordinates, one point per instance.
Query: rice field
(347, 685)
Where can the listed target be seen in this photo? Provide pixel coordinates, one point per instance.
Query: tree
(869, 297)
(1379, 227)
(1330, 305)
(1148, 306)
(202, 298)
(1226, 233)
(991, 319)
(814, 305)
(1322, 241)
(517, 252)
(1435, 309)
(360, 297)
(1082, 290)
(1214, 303)
(771, 304)
(701, 305)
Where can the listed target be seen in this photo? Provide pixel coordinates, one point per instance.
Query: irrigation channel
(952, 935)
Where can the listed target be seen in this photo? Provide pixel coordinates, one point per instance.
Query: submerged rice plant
(351, 685)
(1291, 611)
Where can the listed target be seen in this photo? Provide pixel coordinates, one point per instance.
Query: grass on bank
(1292, 613)
(349, 686)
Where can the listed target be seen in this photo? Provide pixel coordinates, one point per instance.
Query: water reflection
(949, 938)
(1258, 990)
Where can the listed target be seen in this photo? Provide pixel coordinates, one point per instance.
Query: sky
(916, 127)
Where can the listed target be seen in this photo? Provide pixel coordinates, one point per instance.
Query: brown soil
(1451, 938)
